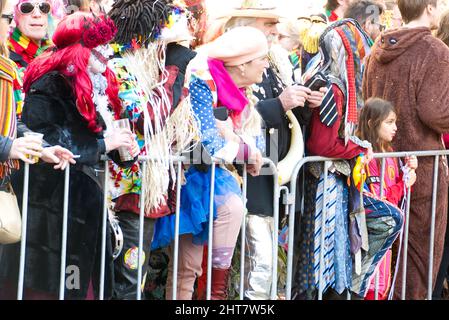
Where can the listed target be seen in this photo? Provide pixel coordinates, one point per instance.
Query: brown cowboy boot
(219, 288)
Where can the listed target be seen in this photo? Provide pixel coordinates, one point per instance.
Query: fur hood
(394, 43)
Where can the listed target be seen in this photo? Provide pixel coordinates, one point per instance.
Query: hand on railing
(24, 147)
(411, 178)
(412, 162)
(255, 162)
(369, 155)
(59, 155)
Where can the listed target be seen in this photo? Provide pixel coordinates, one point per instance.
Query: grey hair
(235, 22)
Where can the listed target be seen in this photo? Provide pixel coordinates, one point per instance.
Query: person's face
(373, 28)
(99, 58)
(388, 128)
(287, 42)
(4, 23)
(268, 27)
(253, 70)
(32, 19)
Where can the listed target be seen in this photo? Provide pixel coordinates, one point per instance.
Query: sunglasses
(28, 7)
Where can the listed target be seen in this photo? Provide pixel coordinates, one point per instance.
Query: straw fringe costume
(151, 110)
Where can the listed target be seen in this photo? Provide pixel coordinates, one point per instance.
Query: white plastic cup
(125, 155)
(38, 136)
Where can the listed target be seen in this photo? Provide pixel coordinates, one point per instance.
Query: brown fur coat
(410, 68)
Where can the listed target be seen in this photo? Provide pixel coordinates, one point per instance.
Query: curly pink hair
(71, 52)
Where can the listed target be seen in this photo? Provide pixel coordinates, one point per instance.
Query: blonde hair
(252, 124)
(235, 22)
(443, 29)
(3, 47)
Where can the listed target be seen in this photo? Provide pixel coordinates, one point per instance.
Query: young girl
(377, 124)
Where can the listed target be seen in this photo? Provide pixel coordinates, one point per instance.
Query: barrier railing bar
(382, 177)
(243, 234)
(404, 257)
(211, 226)
(276, 195)
(103, 235)
(286, 202)
(64, 234)
(176, 244)
(140, 249)
(26, 181)
(291, 232)
(432, 227)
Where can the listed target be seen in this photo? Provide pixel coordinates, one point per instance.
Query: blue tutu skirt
(194, 212)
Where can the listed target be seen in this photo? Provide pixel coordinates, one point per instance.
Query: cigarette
(76, 156)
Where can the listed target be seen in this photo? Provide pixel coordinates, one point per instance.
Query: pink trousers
(225, 233)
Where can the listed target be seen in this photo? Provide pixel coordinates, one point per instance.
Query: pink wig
(57, 8)
(70, 57)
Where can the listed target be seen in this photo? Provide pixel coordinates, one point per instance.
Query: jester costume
(144, 109)
(344, 46)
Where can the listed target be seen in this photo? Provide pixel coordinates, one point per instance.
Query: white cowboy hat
(254, 9)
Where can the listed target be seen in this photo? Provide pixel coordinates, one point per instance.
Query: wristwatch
(9, 17)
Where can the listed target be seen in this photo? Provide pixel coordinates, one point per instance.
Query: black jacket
(50, 109)
(260, 189)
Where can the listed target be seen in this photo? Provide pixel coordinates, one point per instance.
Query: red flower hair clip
(98, 32)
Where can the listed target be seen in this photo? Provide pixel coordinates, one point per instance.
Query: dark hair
(331, 5)
(371, 116)
(364, 10)
(443, 29)
(413, 9)
(139, 19)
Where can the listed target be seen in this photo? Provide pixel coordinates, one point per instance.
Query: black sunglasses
(9, 17)
(28, 7)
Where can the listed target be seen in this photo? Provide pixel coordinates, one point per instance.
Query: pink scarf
(229, 96)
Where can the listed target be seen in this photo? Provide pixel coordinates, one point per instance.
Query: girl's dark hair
(371, 116)
(443, 30)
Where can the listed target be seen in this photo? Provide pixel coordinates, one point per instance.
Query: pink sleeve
(392, 193)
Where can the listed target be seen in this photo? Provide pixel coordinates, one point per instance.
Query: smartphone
(221, 113)
(316, 82)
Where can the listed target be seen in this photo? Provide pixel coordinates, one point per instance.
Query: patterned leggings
(384, 222)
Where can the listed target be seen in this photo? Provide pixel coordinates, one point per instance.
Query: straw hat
(255, 9)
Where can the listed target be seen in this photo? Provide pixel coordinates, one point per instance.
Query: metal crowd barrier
(382, 156)
(289, 201)
(144, 160)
